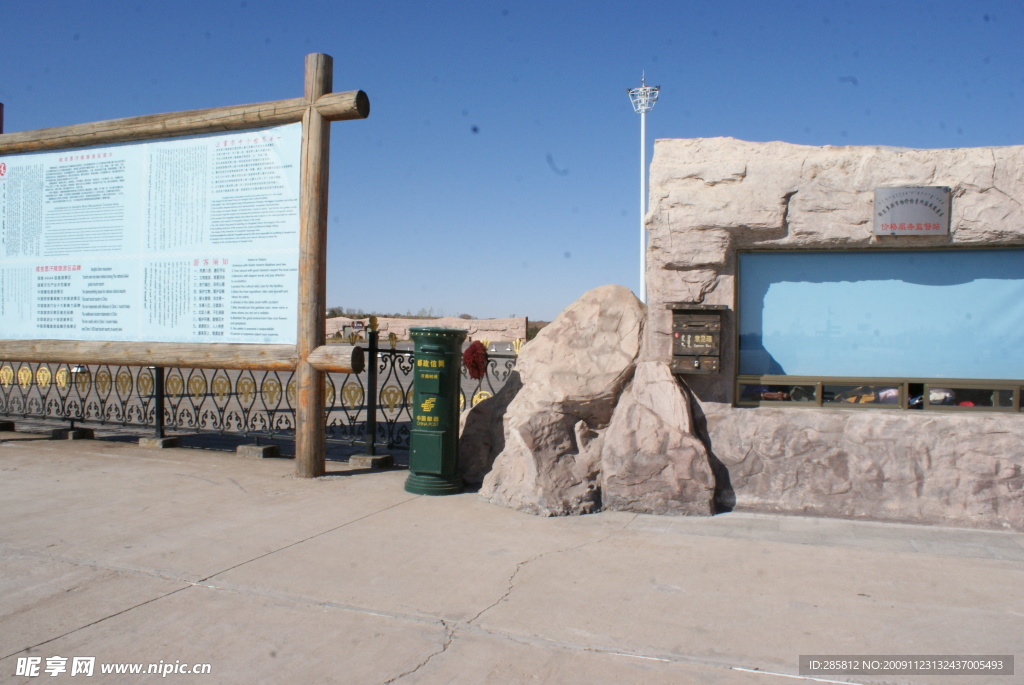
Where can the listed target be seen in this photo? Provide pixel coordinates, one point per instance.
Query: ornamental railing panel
(245, 402)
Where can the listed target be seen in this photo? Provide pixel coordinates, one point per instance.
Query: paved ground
(196, 556)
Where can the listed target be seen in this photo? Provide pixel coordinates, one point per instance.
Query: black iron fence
(248, 403)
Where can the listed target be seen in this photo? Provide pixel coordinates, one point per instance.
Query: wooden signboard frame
(310, 357)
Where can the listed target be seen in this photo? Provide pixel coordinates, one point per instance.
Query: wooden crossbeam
(335, 358)
(332, 106)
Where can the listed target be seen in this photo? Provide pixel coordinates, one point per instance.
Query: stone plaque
(912, 210)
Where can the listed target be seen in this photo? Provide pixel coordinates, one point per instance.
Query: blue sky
(498, 173)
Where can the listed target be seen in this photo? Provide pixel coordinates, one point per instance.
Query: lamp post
(643, 99)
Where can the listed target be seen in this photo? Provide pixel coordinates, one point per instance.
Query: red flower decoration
(475, 360)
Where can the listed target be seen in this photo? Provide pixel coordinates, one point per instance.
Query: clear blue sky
(498, 172)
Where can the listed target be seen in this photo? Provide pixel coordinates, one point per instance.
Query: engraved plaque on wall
(912, 210)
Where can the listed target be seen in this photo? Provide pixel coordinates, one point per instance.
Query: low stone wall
(712, 197)
(962, 470)
(494, 330)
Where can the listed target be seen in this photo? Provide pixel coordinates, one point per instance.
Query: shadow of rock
(725, 497)
(482, 432)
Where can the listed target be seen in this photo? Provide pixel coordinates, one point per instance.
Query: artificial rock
(572, 374)
(650, 460)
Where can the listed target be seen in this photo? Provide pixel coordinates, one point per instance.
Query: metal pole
(371, 395)
(643, 207)
(158, 401)
(74, 383)
(643, 99)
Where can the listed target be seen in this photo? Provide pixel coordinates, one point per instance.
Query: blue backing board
(924, 314)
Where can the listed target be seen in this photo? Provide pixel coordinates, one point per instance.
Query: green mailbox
(434, 440)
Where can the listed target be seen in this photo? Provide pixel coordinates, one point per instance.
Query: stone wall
(494, 330)
(712, 197)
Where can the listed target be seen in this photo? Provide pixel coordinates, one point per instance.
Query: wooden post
(310, 424)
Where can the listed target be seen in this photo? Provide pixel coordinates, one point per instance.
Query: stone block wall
(712, 197)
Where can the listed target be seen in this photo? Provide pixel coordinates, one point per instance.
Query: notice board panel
(185, 240)
(945, 313)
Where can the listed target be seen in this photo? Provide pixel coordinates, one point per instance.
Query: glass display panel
(760, 392)
(970, 397)
(860, 394)
(929, 314)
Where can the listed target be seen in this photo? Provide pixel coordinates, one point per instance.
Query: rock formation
(572, 374)
(650, 460)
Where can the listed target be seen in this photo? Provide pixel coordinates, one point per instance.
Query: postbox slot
(697, 321)
(694, 364)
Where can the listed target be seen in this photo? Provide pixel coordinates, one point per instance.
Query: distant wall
(494, 330)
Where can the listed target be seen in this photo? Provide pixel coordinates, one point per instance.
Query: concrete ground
(188, 556)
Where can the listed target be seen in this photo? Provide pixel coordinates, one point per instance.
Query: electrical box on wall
(696, 338)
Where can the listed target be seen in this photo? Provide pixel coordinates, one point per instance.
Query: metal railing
(246, 402)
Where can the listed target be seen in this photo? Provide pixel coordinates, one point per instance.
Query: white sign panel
(912, 210)
(182, 240)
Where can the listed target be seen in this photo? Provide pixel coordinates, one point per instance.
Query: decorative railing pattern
(246, 402)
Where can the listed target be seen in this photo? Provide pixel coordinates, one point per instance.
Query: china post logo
(428, 404)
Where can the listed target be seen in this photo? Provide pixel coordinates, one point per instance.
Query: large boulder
(572, 374)
(650, 461)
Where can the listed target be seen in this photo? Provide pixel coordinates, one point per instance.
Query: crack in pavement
(452, 629)
(521, 564)
(449, 637)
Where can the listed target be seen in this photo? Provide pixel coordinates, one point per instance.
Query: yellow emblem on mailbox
(428, 404)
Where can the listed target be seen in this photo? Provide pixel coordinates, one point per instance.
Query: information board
(192, 239)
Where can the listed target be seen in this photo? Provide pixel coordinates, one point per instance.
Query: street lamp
(643, 99)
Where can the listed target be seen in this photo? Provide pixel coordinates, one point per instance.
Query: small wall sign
(912, 210)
